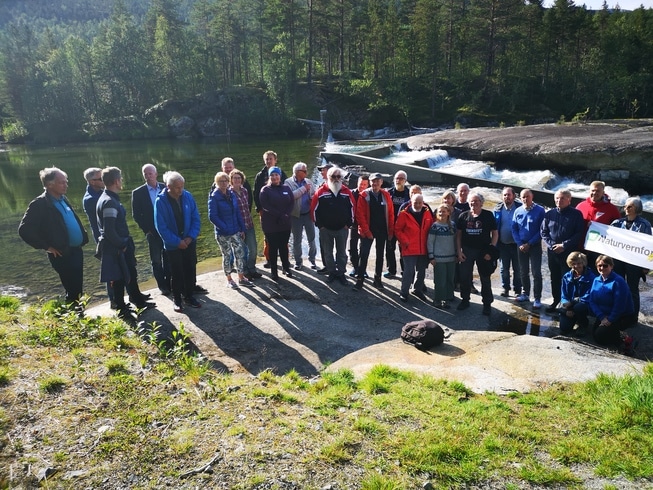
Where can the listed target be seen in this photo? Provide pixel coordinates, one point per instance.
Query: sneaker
(192, 302)
(521, 298)
(358, 286)
(199, 289)
(313, 266)
(287, 272)
(352, 273)
(232, 284)
(464, 304)
(487, 309)
(298, 267)
(246, 283)
(377, 283)
(537, 304)
(253, 275)
(389, 275)
(445, 305)
(403, 298)
(330, 278)
(343, 280)
(323, 271)
(552, 308)
(267, 265)
(505, 293)
(178, 307)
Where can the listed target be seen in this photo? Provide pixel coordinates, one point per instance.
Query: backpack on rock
(423, 334)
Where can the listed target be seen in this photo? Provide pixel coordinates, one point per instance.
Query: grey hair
(299, 166)
(48, 175)
(637, 202)
(476, 194)
(171, 176)
(90, 172)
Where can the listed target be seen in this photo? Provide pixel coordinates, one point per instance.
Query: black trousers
(183, 270)
(70, 268)
(278, 247)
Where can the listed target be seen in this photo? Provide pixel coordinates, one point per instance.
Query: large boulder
(624, 146)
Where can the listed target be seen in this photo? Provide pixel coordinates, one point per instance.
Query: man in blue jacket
(177, 221)
(562, 230)
(526, 224)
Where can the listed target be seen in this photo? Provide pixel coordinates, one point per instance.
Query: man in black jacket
(51, 224)
(143, 213)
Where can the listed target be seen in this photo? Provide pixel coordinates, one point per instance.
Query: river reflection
(26, 272)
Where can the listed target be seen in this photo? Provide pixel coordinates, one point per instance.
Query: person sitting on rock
(575, 294)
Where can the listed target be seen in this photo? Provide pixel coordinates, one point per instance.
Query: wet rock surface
(624, 147)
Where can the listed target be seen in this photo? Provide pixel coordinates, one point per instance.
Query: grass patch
(163, 410)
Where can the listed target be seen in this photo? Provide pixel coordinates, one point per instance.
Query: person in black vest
(143, 198)
(354, 256)
(51, 224)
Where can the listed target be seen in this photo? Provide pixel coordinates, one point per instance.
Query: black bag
(423, 334)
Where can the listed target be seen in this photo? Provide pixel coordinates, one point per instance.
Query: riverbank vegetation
(96, 403)
(367, 63)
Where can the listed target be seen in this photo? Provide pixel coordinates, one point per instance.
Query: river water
(26, 272)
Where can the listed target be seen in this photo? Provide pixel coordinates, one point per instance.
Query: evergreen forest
(65, 63)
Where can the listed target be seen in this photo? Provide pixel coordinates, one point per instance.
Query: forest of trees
(419, 61)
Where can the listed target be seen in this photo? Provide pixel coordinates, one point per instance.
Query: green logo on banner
(593, 235)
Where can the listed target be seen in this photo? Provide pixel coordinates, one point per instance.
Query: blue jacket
(166, 225)
(526, 225)
(565, 226)
(639, 225)
(225, 214)
(577, 291)
(611, 298)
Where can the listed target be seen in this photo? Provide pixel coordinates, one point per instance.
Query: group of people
(454, 237)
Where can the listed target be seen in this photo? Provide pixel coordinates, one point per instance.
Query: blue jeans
(509, 253)
(413, 264)
(329, 238)
(531, 263)
(251, 249)
(303, 222)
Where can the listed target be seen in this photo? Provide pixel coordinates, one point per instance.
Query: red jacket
(363, 213)
(410, 235)
(602, 212)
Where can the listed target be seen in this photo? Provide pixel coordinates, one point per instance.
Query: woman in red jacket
(411, 230)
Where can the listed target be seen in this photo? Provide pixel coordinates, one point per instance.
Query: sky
(597, 4)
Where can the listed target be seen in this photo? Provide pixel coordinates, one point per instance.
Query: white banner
(628, 246)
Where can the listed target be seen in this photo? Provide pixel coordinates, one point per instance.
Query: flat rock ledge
(498, 362)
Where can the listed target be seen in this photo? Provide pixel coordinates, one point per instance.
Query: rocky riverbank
(619, 152)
